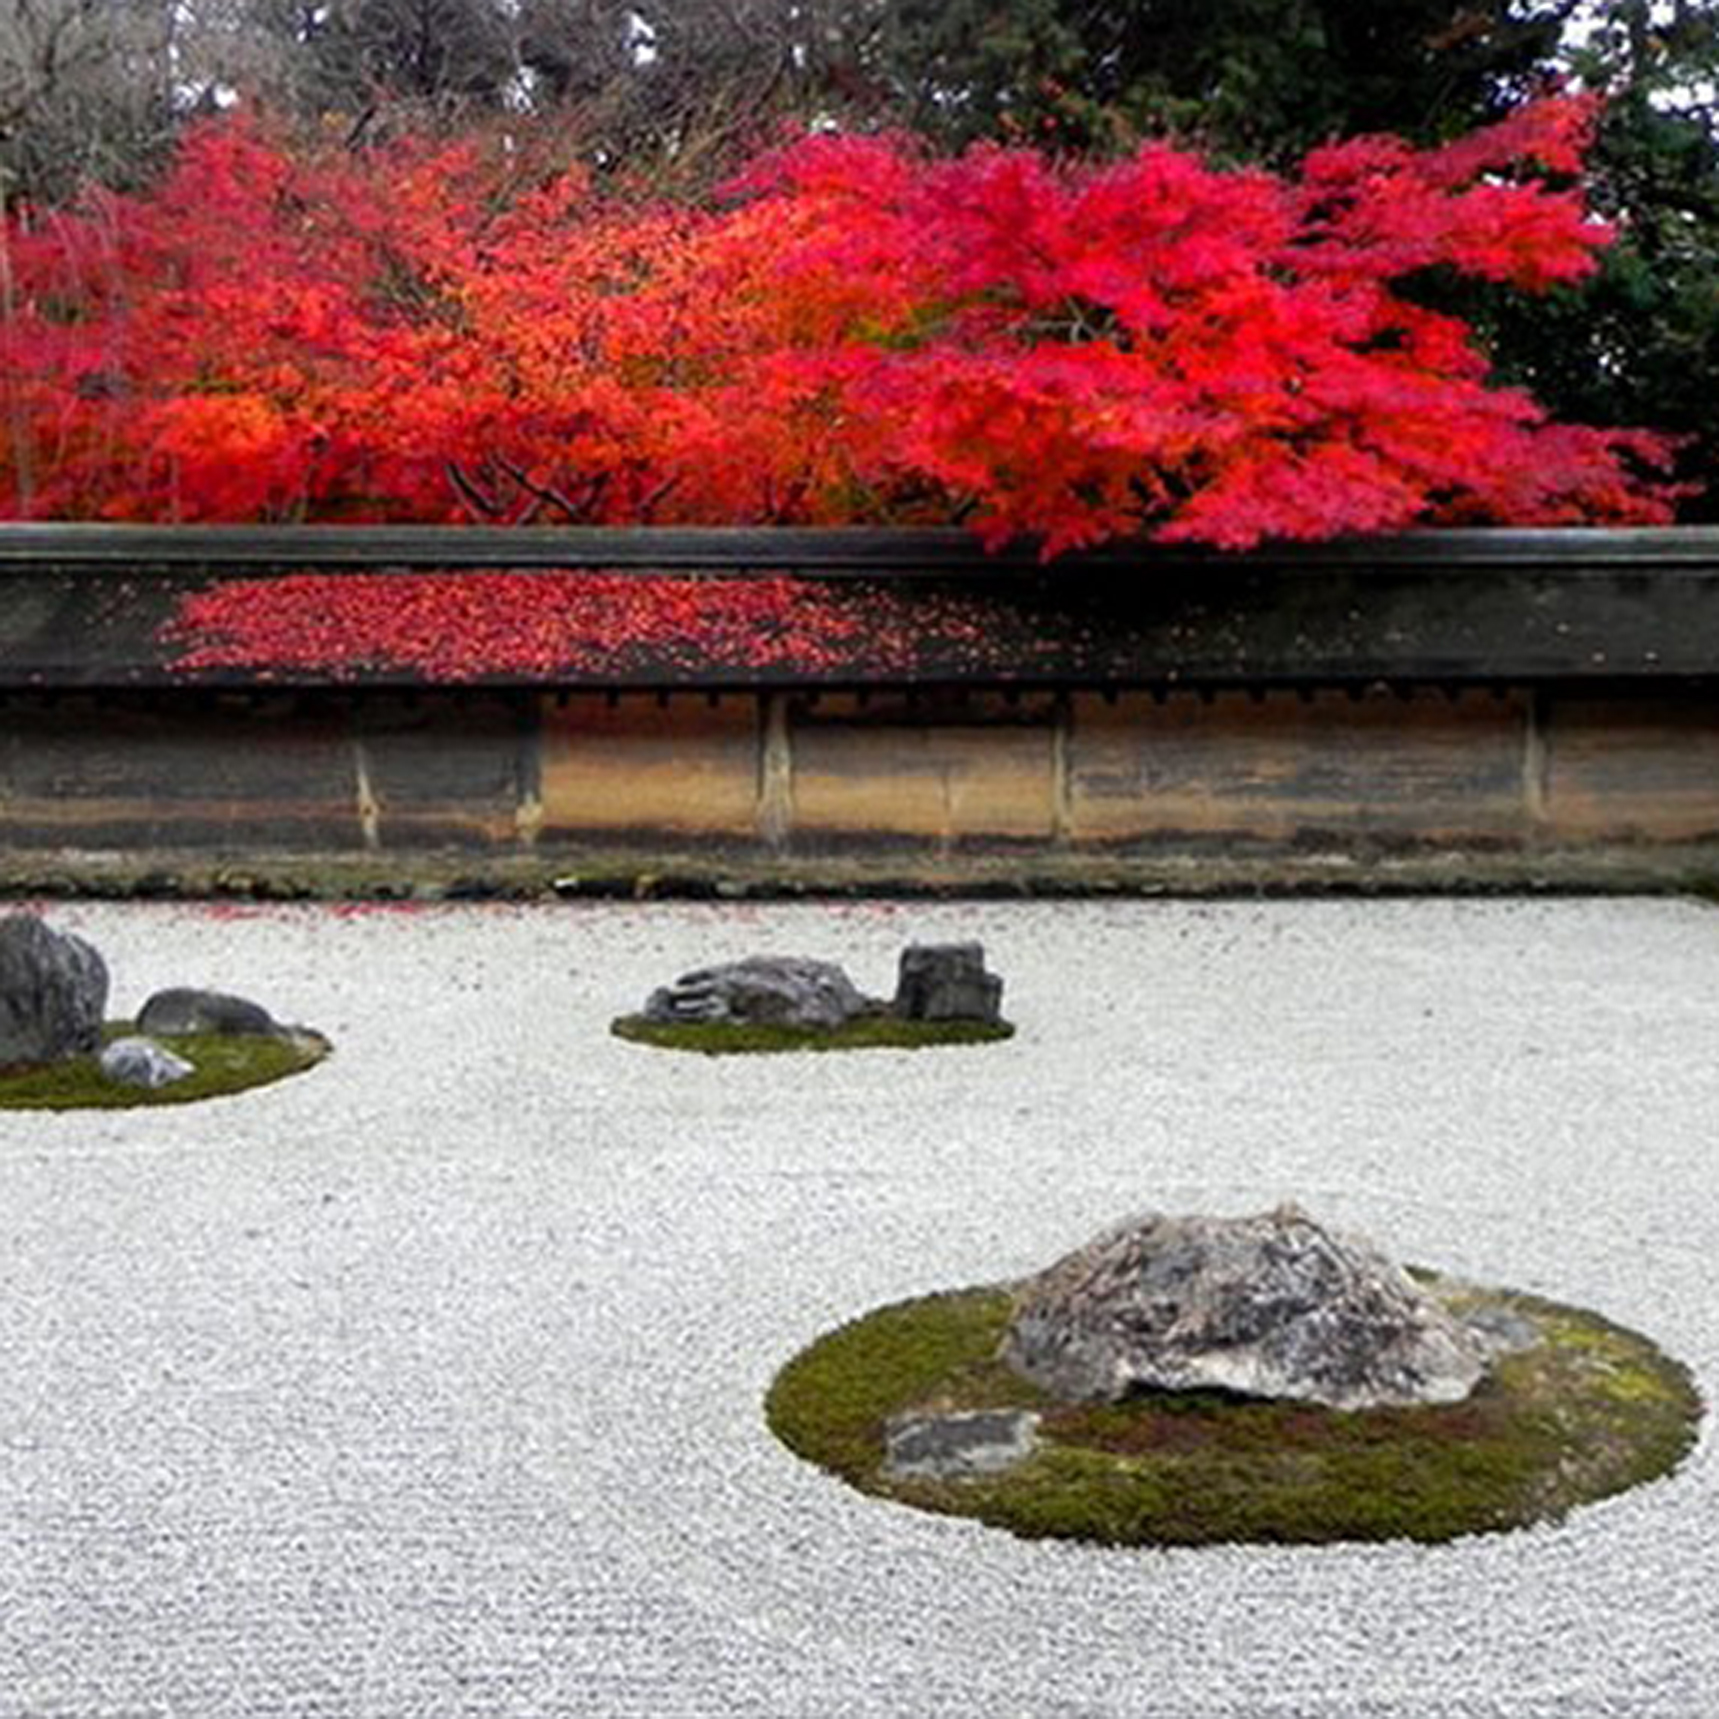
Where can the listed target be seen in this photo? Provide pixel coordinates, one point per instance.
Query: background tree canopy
(670, 92)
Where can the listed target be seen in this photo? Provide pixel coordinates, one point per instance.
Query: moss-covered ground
(865, 1032)
(1588, 1410)
(221, 1063)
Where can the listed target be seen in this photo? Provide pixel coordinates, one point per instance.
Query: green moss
(840, 1391)
(866, 1032)
(221, 1063)
(1589, 1410)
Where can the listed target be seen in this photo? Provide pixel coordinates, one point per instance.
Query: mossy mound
(864, 1032)
(221, 1063)
(1587, 1411)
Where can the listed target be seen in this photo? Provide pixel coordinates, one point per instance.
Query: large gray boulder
(947, 982)
(1268, 1306)
(53, 993)
(765, 990)
(183, 1009)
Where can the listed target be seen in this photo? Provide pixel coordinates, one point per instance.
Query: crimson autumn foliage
(859, 331)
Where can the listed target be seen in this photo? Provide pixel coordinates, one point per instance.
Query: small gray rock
(1501, 1330)
(765, 990)
(1268, 1306)
(958, 1446)
(182, 1009)
(142, 1062)
(947, 982)
(53, 993)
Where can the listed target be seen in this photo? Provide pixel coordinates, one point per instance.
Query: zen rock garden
(1196, 1379)
(1178, 1380)
(58, 1050)
(944, 995)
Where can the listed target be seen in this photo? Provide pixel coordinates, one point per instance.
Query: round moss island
(1579, 1411)
(221, 1063)
(865, 1032)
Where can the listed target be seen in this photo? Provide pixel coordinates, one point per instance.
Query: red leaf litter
(465, 626)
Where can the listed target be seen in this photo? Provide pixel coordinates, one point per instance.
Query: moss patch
(865, 1032)
(1589, 1410)
(221, 1063)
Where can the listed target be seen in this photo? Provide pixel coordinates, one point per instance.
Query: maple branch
(582, 509)
(482, 506)
(648, 502)
(780, 508)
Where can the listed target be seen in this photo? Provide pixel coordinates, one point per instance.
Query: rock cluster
(53, 998)
(1267, 1306)
(937, 982)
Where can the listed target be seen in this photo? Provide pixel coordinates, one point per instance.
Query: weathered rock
(958, 1446)
(182, 1009)
(53, 992)
(1268, 1306)
(142, 1062)
(947, 982)
(766, 990)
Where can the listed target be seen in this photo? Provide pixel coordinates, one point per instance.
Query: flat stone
(947, 982)
(1268, 1306)
(183, 1009)
(958, 1446)
(1500, 1330)
(142, 1062)
(763, 990)
(53, 993)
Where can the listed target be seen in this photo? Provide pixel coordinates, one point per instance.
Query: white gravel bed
(428, 1383)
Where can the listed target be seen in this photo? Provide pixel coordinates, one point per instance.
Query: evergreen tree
(1260, 80)
(1640, 342)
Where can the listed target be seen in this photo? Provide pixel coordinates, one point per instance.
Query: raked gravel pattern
(428, 1383)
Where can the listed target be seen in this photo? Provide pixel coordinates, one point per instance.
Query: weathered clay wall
(334, 792)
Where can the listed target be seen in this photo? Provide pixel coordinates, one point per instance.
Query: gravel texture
(428, 1382)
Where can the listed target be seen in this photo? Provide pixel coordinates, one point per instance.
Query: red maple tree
(858, 331)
